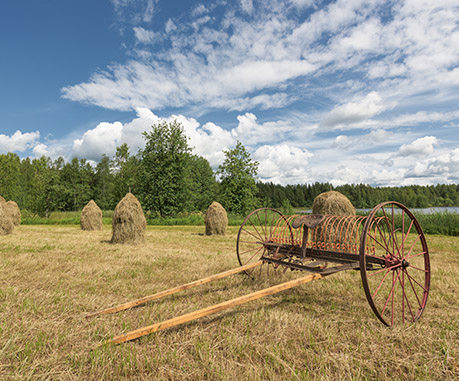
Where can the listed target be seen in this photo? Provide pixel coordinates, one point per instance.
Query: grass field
(52, 276)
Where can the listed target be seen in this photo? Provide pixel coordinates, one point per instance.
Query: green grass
(438, 223)
(52, 276)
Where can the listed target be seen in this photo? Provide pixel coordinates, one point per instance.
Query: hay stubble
(54, 275)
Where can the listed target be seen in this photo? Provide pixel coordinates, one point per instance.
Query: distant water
(437, 209)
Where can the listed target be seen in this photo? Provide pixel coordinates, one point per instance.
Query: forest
(169, 180)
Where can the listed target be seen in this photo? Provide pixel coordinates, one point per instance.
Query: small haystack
(91, 217)
(15, 212)
(216, 219)
(334, 203)
(128, 222)
(6, 222)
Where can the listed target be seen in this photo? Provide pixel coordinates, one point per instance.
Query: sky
(346, 92)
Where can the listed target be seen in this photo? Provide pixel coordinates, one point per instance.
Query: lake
(432, 210)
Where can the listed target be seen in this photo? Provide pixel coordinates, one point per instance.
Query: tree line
(168, 179)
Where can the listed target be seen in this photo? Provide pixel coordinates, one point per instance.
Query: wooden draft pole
(174, 290)
(209, 310)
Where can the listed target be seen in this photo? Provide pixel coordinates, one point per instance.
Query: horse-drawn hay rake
(387, 246)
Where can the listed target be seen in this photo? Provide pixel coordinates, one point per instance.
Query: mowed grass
(52, 276)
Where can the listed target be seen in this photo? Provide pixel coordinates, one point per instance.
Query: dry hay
(128, 222)
(216, 219)
(15, 212)
(336, 204)
(91, 217)
(333, 203)
(6, 222)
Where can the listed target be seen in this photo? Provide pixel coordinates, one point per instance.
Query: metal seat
(310, 221)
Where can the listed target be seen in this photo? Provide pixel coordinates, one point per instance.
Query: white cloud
(101, 140)
(420, 147)
(283, 164)
(144, 36)
(18, 142)
(444, 168)
(247, 6)
(354, 112)
(250, 132)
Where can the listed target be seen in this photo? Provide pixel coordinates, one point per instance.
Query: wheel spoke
(256, 230)
(412, 246)
(255, 234)
(380, 284)
(390, 293)
(384, 269)
(376, 241)
(410, 278)
(409, 306)
(403, 248)
(416, 255)
(395, 248)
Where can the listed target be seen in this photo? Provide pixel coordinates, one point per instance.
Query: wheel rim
(255, 233)
(397, 288)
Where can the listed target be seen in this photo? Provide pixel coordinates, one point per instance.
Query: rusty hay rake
(388, 247)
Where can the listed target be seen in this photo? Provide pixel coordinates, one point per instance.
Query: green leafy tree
(202, 184)
(238, 188)
(125, 169)
(103, 181)
(9, 176)
(77, 179)
(165, 162)
(42, 187)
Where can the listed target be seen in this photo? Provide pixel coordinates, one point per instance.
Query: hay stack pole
(216, 219)
(91, 217)
(15, 212)
(6, 222)
(128, 222)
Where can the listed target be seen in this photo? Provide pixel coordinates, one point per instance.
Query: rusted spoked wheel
(394, 264)
(256, 233)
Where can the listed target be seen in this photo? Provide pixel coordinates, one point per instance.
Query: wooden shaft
(174, 290)
(210, 310)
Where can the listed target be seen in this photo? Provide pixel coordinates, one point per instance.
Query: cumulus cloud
(283, 164)
(18, 142)
(442, 168)
(420, 147)
(101, 140)
(354, 112)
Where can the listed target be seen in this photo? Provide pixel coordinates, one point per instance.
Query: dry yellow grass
(53, 275)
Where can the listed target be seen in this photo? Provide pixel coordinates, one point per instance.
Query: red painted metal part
(388, 246)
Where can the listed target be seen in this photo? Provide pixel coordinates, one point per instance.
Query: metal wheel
(394, 264)
(255, 233)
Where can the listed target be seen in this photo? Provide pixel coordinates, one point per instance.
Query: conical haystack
(15, 212)
(334, 203)
(6, 222)
(91, 217)
(216, 219)
(128, 222)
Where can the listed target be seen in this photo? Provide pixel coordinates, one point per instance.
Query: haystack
(216, 219)
(128, 222)
(334, 203)
(91, 217)
(6, 222)
(15, 212)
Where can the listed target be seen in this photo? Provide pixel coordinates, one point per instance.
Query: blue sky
(347, 91)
